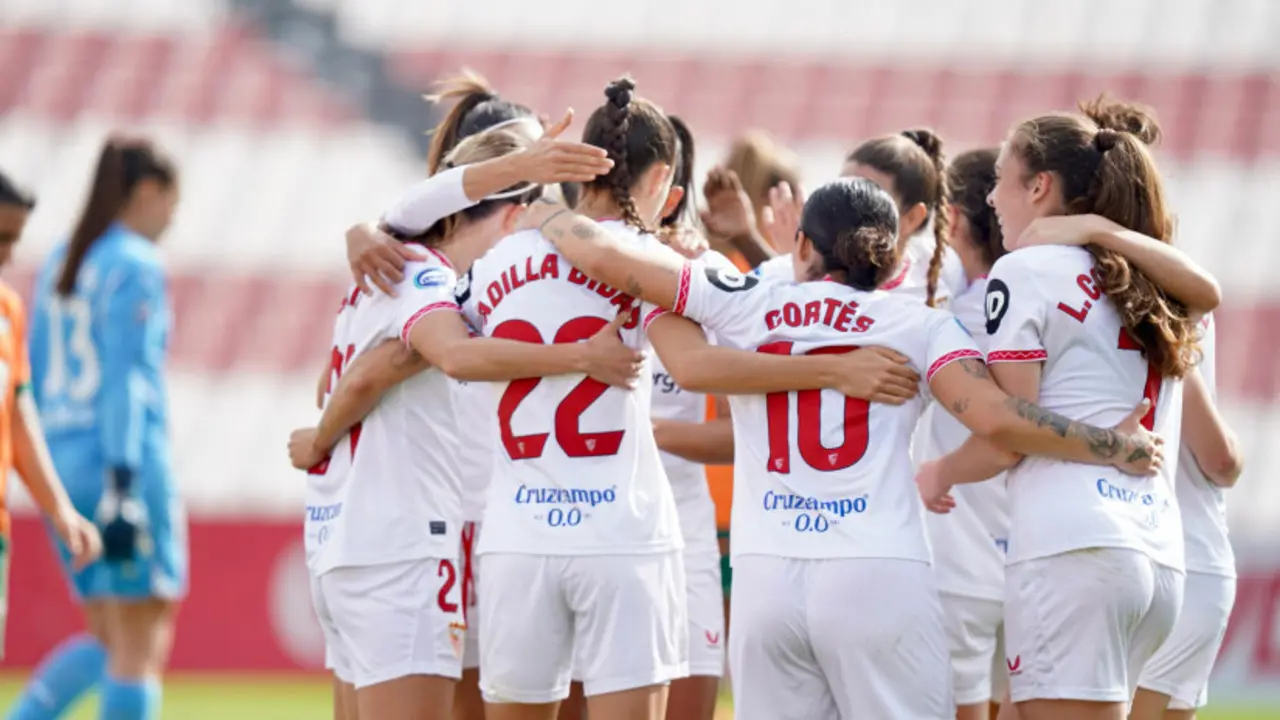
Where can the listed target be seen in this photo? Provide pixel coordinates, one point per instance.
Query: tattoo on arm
(958, 407)
(976, 368)
(1104, 444)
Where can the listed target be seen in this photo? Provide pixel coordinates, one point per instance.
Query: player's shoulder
(432, 272)
(779, 267)
(714, 258)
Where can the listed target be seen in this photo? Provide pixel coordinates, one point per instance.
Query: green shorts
(726, 569)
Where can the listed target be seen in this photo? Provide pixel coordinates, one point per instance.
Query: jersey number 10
(809, 423)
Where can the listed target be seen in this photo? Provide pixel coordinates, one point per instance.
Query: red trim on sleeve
(682, 290)
(654, 314)
(949, 358)
(425, 311)
(996, 356)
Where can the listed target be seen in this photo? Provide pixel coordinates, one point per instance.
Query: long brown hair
(915, 160)
(476, 108)
(636, 134)
(123, 163)
(1103, 163)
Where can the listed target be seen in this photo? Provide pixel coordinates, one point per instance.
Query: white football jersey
(816, 474)
(390, 491)
(1203, 504)
(968, 543)
(1043, 305)
(688, 479)
(577, 470)
(912, 279)
(478, 442)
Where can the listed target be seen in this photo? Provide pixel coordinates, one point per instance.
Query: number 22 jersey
(818, 475)
(1043, 306)
(577, 470)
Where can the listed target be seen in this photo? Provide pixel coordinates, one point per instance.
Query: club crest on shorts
(458, 637)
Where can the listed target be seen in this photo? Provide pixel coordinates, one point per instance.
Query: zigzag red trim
(442, 305)
(950, 358)
(682, 290)
(996, 356)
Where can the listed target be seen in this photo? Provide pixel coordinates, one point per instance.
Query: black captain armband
(731, 280)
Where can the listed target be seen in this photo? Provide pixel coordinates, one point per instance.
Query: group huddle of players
(970, 410)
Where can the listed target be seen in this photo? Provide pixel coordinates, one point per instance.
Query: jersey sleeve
(1015, 310)
(949, 341)
(439, 196)
(133, 301)
(426, 289)
(722, 299)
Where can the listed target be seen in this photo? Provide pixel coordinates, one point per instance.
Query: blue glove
(122, 519)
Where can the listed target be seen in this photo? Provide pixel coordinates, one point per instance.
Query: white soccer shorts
(975, 634)
(619, 621)
(383, 622)
(706, 614)
(853, 638)
(1182, 665)
(1081, 625)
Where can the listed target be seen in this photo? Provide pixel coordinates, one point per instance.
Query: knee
(140, 640)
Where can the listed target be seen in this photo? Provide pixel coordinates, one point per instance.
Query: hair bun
(926, 139)
(1105, 139)
(620, 92)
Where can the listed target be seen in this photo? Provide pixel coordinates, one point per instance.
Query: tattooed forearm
(1103, 444)
(976, 368)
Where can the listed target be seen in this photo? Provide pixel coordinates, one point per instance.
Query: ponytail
(467, 91)
(121, 166)
(683, 174)
(636, 134)
(1101, 159)
(932, 146)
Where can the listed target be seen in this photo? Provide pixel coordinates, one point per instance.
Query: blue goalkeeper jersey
(97, 361)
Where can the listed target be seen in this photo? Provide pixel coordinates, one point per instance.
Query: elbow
(691, 375)
(1002, 433)
(1210, 297)
(1225, 469)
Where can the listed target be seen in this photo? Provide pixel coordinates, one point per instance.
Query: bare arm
(874, 374)
(1017, 425)
(1166, 265)
(709, 443)
(31, 460)
(1213, 444)
(443, 340)
(362, 386)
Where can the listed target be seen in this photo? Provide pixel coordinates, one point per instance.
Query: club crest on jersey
(731, 280)
(431, 277)
(997, 304)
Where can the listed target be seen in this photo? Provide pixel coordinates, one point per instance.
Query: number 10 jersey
(818, 475)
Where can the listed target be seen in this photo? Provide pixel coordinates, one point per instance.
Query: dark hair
(571, 192)
(1102, 163)
(636, 134)
(11, 194)
(122, 165)
(853, 225)
(970, 178)
(914, 159)
(474, 149)
(682, 176)
(476, 108)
